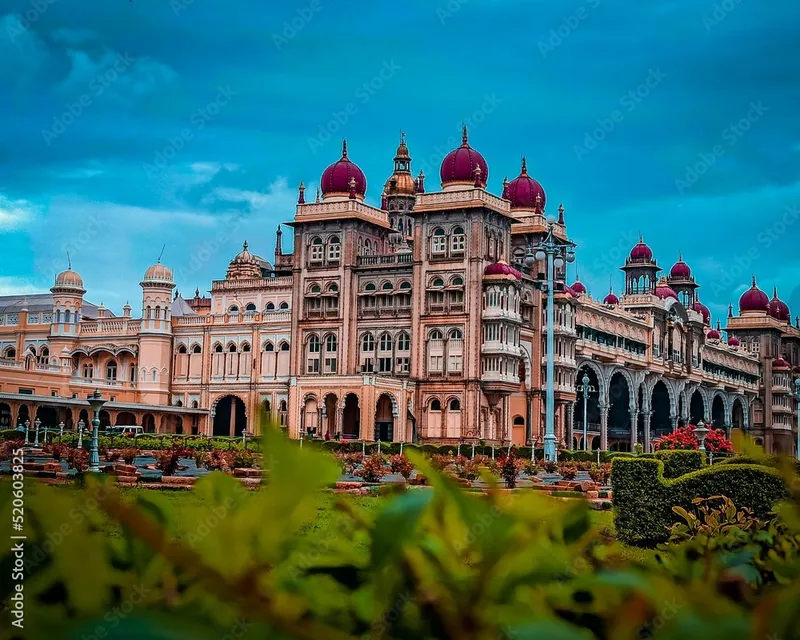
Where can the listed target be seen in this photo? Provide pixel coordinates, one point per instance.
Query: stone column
(647, 416)
(634, 428)
(570, 424)
(604, 427)
(673, 418)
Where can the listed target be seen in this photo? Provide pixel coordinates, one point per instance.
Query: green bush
(11, 434)
(767, 461)
(643, 499)
(680, 462)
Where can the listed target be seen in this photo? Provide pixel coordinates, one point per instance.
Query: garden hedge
(766, 461)
(11, 434)
(643, 498)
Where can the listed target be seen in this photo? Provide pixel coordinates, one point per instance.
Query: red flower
(684, 438)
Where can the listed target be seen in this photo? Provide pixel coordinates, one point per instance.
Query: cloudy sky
(127, 126)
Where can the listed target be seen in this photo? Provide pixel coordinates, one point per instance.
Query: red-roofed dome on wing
(780, 363)
(501, 268)
(754, 299)
(69, 279)
(525, 193)
(713, 334)
(680, 269)
(570, 291)
(664, 291)
(641, 252)
(578, 287)
(611, 299)
(336, 178)
(703, 310)
(464, 166)
(733, 341)
(778, 309)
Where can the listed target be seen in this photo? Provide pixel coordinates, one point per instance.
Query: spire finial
(505, 188)
(477, 172)
(577, 274)
(754, 281)
(730, 310)
(301, 199)
(524, 166)
(161, 254)
(352, 185)
(69, 262)
(680, 257)
(774, 293)
(402, 137)
(641, 237)
(561, 213)
(197, 292)
(344, 148)
(244, 245)
(719, 325)
(464, 142)
(317, 197)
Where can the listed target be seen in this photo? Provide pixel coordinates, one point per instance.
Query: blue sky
(125, 126)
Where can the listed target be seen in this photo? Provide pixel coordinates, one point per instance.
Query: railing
(114, 326)
(283, 282)
(102, 382)
(315, 210)
(284, 317)
(11, 364)
(384, 259)
(431, 200)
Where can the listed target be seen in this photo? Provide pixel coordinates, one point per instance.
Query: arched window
(312, 365)
(386, 342)
(313, 344)
(330, 354)
(111, 370)
(456, 334)
(218, 348)
(458, 281)
(196, 349)
(231, 348)
(436, 405)
(458, 241)
(436, 334)
(368, 342)
(370, 287)
(88, 370)
(245, 348)
(284, 346)
(405, 285)
(233, 310)
(195, 404)
(250, 307)
(403, 342)
(455, 405)
(387, 286)
(330, 343)
(438, 282)
(270, 306)
(439, 245)
(182, 349)
(317, 250)
(334, 288)
(269, 347)
(334, 249)
(316, 289)
(10, 353)
(283, 306)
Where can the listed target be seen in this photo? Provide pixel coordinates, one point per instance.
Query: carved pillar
(647, 416)
(634, 428)
(604, 427)
(570, 424)
(674, 421)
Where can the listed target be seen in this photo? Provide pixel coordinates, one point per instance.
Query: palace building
(419, 320)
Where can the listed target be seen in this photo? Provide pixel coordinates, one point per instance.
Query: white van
(125, 431)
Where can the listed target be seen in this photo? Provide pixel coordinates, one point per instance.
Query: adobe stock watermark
(97, 86)
(22, 22)
(627, 103)
(730, 136)
(430, 164)
(719, 13)
(199, 119)
(449, 9)
(296, 24)
(569, 24)
(363, 94)
(118, 614)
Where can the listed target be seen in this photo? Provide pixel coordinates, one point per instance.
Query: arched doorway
(718, 412)
(5, 416)
(351, 418)
(84, 417)
(229, 417)
(23, 414)
(148, 423)
(738, 414)
(592, 408)
(126, 419)
(697, 409)
(105, 419)
(384, 419)
(48, 416)
(331, 402)
(660, 423)
(619, 417)
(310, 416)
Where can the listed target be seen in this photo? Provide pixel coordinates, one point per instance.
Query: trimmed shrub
(643, 499)
(11, 434)
(766, 461)
(679, 462)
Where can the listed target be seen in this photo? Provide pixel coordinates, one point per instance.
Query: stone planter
(178, 481)
(247, 473)
(349, 485)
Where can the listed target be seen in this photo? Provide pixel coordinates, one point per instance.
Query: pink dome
(703, 310)
(578, 287)
(733, 341)
(713, 334)
(336, 178)
(569, 290)
(754, 299)
(780, 363)
(680, 270)
(501, 268)
(641, 252)
(70, 279)
(778, 309)
(158, 273)
(611, 298)
(664, 291)
(525, 193)
(459, 166)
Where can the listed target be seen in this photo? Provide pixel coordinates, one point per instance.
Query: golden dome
(69, 279)
(400, 184)
(158, 273)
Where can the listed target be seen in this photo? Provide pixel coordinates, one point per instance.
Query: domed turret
(754, 299)
(69, 279)
(733, 341)
(578, 287)
(713, 334)
(501, 269)
(337, 180)
(703, 310)
(780, 363)
(778, 309)
(525, 193)
(158, 274)
(464, 167)
(680, 270)
(641, 252)
(244, 265)
(401, 183)
(611, 298)
(664, 291)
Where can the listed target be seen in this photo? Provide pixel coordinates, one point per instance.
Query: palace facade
(419, 320)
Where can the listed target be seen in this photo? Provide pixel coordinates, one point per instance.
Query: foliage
(466, 468)
(680, 462)
(600, 473)
(7, 449)
(167, 461)
(402, 465)
(77, 459)
(441, 462)
(112, 455)
(567, 470)
(510, 466)
(372, 469)
(685, 438)
(128, 454)
(214, 460)
(240, 459)
(643, 499)
(349, 461)
(438, 564)
(11, 434)
(550, 466)
(768, 461)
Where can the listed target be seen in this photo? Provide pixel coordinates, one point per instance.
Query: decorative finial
(524, 166)
(680, 257)
(754, 281)
(539, 202)
(774, 293)
(561, 213)
(244, 245)
(317, 197)
(421, 182)
(477, 172)
(352, 185)
(302, 198)
(69, 262)
(641, 238)
(719, 325)
(384, 204)
(402, 137)
(161, 254)
(197, 293)
(464, 142)
(730, 310)
(344, 148)
(505, 188)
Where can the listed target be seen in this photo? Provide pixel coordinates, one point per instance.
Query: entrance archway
(229, 417)
(592, 408)
(660, 423)
(105, 419)
(48, 416)
(148, 423)
(384, 419)
(738, 414)
(310, 416)
(5, 416)
(331, 402)
(22, 414)
(697, 409)
(351, 418)
(619, 417)
(83, 417)
(126, 419)
(718, 412)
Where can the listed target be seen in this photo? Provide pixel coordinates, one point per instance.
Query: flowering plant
(402, 465)
(372, 469)
(685, 438)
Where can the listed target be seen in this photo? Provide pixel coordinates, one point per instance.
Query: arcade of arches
(625, 407)
(334, 416)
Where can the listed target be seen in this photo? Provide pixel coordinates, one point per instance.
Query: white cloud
(17, 286)
(14, 214)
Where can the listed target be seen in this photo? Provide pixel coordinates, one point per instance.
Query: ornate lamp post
(36, 423)
(81, 427)
(797, 393)
(555, 251)
(61, 430)
(585, 389)
(96, 401)
(27, 429)
(701, 432)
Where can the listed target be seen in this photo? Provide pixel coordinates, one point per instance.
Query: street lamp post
(797, 393)
(554, 251)
(61, 430)
(585, 389)
(81, 427)
(96, 401)
(27, 429)
(36, 423)
(700, 432)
